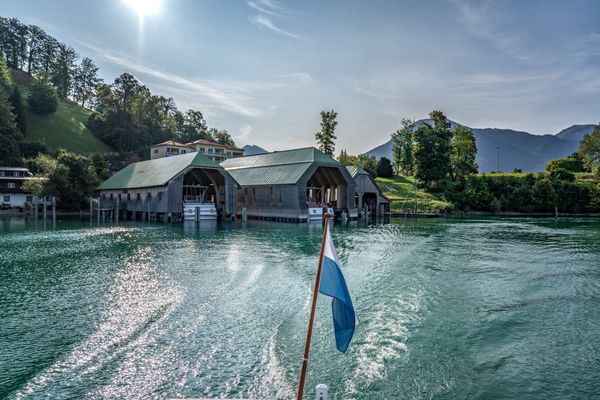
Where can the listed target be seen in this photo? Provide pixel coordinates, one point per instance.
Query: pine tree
(326, 136)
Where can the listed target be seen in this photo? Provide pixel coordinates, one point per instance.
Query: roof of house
(170, 143)
(157, 172)
(211, 143)
(277, 168)
(354, 171)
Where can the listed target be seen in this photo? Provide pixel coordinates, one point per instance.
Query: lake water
(448, 309)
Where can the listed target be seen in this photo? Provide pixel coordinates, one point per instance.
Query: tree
(463, 152)
(384, 168)
(85, 81)
(16, 103)
(368, 163)
(221, 136)
(63, 70)
(43, 98)
(326, 136)
(567, 164)
(10, 136)
(31, 149)
(6, 81)
(47, 54)
(193, 127)
(431, 150)
(35, 40)
(589, 149)
(346, 159)
(403, 147)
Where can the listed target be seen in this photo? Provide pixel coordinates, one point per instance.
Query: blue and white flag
(333, 285)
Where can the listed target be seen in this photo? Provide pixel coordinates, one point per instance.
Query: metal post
(91, 208)
(53, 210)
(117, 213)
(45, 207)
(98, 210)
(37, 207)
(197, 214)
(312, 312)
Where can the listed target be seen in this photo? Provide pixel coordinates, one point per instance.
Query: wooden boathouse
(159, 189)
(282, 185)
(369, 199)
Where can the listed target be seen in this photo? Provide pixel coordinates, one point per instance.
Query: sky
(264, 69)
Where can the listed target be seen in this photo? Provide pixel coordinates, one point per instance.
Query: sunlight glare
(144, 7)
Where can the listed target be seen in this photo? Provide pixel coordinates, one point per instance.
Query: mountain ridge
(518, 149)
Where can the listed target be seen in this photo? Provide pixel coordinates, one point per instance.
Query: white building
(12, 194)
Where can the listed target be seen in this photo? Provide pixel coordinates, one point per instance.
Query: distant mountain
(520, 150)
(576, 132)
(251, 150)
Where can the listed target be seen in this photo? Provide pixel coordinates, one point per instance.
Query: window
(149, 196)
(202, 150)
(1, 173)
(160, 195)
(128, 196)
(210, 151)
(138, 196)
(155, 151)
(11, 185)
(111, 196)
(29, 199)
(7, 199)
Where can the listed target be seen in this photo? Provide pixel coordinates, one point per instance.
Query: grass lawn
(64, 129)
(401, 192)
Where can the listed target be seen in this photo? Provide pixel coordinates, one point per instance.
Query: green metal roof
(156, 172)
(356, 171)
(277, 168)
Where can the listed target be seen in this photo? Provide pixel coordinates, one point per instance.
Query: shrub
(43, 98)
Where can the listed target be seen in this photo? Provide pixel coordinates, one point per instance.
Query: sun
(144, 7)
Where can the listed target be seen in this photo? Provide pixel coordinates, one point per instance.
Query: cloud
(489, 20)
(265, 6)
(303, 77)
(266, 22)
(214, 94)
(244, 133)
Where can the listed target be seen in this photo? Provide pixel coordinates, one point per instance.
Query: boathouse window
(128, 196)
(138, 196)
(103, 196)
(111, 196)
(254, 195)
(149, 196)
(160, 196)
(280, 196)
(119, 197)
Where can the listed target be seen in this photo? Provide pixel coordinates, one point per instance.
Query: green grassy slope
(64, 129)
(401, 192)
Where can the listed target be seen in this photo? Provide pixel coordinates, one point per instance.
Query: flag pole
(312, 313)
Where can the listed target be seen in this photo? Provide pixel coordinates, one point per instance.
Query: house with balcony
(168, 149)
(12, 194)
(216, 151)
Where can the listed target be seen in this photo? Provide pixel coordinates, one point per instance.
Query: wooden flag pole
(312, 313)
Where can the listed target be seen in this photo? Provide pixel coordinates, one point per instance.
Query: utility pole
(498, 149)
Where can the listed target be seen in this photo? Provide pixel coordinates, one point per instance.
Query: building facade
(369, 200)
(168, 149)
(213, 150)
(160, 188)
(12, 194)
(285, 184)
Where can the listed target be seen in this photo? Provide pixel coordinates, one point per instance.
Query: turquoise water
(448, 309)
